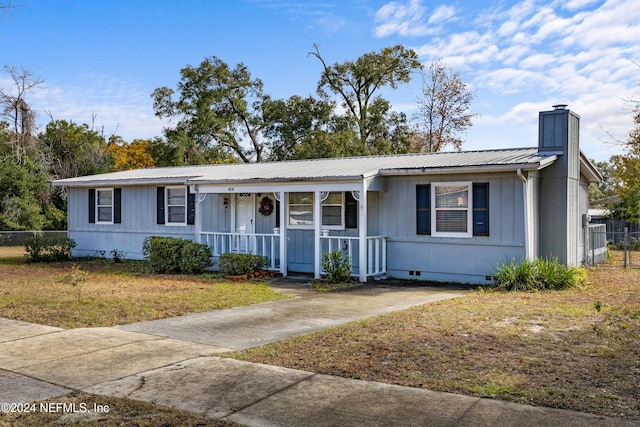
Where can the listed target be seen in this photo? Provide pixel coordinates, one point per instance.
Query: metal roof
(354, 168)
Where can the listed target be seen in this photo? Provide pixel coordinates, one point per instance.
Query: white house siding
(138, 222)
(469, 260)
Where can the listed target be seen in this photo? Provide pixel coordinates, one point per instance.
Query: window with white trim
(176, 205)
(452, 209)
(104, 206)
(300, 210)
(333, 210)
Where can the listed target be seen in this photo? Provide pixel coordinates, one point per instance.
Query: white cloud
(110, 106)
(404, 19)
(535, 54)
(408, 19)
(442, 14)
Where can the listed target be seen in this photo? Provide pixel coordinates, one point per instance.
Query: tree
(218, 109)
(444, 110)
(294, 122)
(627, 176)
(127, 156)
(74, 150)
(606, 187)
(15, 110)
(357, 83)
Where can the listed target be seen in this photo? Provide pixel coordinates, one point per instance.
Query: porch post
(198, 225)
(317, 229)
(283, 233)
(362, 233)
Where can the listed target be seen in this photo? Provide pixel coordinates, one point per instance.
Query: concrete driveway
(307, 310)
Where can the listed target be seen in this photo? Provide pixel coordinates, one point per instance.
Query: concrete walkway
(172, 362)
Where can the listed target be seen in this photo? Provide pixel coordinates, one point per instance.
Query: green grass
(115, 294)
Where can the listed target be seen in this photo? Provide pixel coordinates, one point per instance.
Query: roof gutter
(119, 182)
(467, 169)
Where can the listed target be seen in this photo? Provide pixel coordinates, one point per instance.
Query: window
(332, 210)
(176, 205)
(457, 209)
(335, 211)
(105, 205)
(301, 209)
(451, 208)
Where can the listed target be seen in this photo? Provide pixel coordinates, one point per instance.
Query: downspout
(527, 251)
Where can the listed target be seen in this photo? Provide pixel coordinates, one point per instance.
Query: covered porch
(306, 221)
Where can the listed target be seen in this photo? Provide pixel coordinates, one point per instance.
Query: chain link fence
(19, 238)
(623, 243)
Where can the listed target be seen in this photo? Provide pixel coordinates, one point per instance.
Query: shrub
(232, 264)
(49, 248)
(538, 274)
(175, 255)
(196, 258)
(337, 267)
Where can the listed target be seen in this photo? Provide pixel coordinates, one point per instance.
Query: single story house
(449, 216)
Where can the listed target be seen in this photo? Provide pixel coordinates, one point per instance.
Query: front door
(244, 224)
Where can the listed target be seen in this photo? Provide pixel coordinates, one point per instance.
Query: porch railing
(269, 245)
(376, 258)
(258, 244)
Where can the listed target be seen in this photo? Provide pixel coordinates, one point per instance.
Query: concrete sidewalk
(38, 362)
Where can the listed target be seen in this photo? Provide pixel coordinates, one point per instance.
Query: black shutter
(277, 213)
(92, 206)
(481, 209)
(117, 205)
(160, 205)
(191, 207)
(423, 209)
(350, 211)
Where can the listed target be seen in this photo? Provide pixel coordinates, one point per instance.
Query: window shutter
(423, 209)
(191, 207)
(160, 205)
(350, 211)
(481, 209)
(277, 208)
(92, 206)
(117, 205)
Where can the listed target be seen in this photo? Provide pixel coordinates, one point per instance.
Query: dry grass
(577, 349)
(113, 294)
(120, 412)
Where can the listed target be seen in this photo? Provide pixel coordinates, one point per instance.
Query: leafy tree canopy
(218, 109)
(357, 84)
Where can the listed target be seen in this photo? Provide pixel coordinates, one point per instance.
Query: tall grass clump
(537, 274)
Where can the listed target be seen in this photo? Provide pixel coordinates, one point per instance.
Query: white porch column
(284, 221)
(198, 225)
(362, 233)
(317, 230)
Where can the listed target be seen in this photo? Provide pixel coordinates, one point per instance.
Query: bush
(337, 267)
(538, 274)
(232, 264)
(196, 258)
(49, 248)
(174, 255)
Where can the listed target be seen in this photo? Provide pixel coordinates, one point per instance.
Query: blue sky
(103, 59)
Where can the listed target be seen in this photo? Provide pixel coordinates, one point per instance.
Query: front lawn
(112, 294)
(575, 349)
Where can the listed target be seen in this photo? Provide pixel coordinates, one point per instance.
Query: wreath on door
(266, 206)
